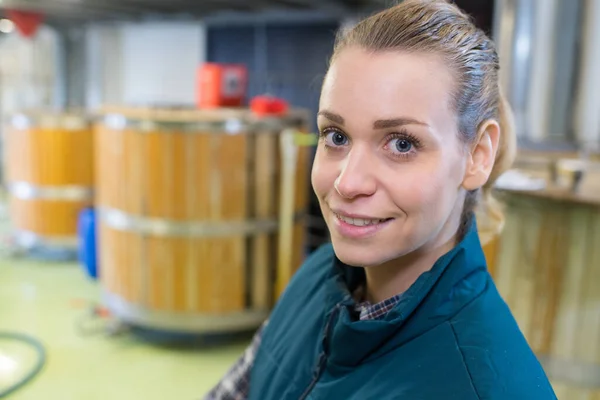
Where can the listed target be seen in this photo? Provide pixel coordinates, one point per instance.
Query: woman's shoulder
(495, 351)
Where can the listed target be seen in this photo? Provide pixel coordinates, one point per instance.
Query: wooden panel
(300, 207)
(200, 249)
(264, 160)
(228, 202)
(131, 172)
(587, 348)
(45, 217)
(120, 268)
(179, 273)
(159, 264)
(109, 167)
(178, 188)
(550, 259)
(50, 156)
(548, 272)
(155, 157)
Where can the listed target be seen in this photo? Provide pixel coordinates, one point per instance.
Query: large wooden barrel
(49, 177)
(490, 250)
(548, 271)
(201, 218)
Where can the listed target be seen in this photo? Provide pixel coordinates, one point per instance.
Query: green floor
(48, 301)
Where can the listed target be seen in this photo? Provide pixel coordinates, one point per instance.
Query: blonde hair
(439, 27)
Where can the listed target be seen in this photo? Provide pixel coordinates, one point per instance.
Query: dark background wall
(482, 12)
(286, 61)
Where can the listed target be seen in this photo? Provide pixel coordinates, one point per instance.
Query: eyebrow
(332, 117)
(379, 124)
(394, 122)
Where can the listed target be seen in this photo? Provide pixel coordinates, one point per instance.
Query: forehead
(371, 85)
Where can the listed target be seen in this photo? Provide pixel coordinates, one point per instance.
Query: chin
(357, 255)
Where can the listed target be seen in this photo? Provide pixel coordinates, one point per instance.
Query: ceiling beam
(88, 10)
(331, 6)
(64, 9)
(150, 6)
(229, 18)
(186, 6)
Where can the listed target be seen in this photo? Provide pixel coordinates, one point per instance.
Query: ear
(482, 156)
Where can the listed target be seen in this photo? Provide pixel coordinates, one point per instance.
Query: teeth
(360, 222)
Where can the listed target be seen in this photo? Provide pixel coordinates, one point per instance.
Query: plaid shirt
(236, 383)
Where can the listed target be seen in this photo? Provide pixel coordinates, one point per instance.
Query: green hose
(41, 361)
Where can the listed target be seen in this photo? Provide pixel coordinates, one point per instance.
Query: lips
(360, 221)
(357, 226)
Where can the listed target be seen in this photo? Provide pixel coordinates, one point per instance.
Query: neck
(397, 276)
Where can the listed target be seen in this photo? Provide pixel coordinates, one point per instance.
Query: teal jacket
(451, 336)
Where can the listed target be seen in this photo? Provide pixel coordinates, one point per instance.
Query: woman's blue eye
(336, 139)
(402, 145)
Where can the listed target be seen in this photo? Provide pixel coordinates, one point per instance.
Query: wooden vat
(195, 228)
(49, 176)
(490, 250)
(548, 271)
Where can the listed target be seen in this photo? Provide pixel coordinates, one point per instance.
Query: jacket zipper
(323, 356)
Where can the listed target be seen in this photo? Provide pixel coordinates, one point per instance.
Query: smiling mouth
(361, 221)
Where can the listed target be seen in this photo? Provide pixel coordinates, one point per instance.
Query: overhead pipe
(513, 34)
(587, 95)
(542, 69)
(536, 41)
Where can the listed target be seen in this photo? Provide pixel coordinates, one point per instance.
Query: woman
(413, 132)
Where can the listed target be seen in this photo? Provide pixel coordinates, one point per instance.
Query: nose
(357, 177)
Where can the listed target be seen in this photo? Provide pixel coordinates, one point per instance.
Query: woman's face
(389, 165)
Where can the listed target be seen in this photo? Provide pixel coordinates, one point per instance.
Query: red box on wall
(221, 85)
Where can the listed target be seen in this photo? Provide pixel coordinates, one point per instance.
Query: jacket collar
(437, 295)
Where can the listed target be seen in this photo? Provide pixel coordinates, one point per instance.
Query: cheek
(429, 190)
(322, 177)
(417, 193)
